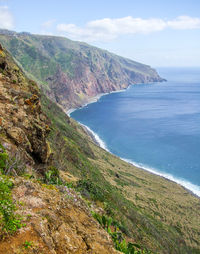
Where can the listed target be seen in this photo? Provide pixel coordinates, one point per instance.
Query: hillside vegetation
(158, 214)
(71, 72)
(70, 196)
(39, 211)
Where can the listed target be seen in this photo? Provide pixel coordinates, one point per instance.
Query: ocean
(153, 126)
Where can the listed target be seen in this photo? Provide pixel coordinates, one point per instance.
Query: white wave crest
(97, 138)
(195, 189)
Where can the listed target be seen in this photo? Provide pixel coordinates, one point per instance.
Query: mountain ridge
(71, 72)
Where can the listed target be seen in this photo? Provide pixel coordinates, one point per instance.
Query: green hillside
(156, 214)
(153, 211)
(72, 72)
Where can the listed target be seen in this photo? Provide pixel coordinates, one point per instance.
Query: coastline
(89, 101)
(93, 100)
(191, 188)
(96, 139)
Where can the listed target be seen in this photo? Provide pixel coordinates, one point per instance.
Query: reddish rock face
(72, 72)
(91, 79)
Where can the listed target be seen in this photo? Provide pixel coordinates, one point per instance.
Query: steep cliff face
(73, 72)
(22, 123)
(53, 219)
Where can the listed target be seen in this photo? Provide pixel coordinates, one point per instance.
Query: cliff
(49, 219)
(70, 72)
(23, 123)
(60, 193)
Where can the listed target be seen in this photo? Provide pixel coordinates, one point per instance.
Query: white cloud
(184, 22)
(108, 29)
(6, 18)
(48, 24)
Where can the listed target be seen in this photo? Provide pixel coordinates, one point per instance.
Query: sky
(154, 32)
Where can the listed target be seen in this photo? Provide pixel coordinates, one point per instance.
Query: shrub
(11, 165)
(15, 165)
(3, 158)
(90, 190)
(9, 221)
(52, 176)
(117, 236)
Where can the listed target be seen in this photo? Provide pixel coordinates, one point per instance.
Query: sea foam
(195, 189)
(96, 137)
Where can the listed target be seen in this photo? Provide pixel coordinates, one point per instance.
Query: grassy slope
(157, 213)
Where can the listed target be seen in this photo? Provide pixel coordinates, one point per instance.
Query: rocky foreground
(57, 222)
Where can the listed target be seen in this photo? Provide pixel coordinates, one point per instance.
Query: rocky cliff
(71, 72)
(49, 219)
(22, 121)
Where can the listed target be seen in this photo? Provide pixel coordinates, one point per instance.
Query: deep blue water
(156, 126)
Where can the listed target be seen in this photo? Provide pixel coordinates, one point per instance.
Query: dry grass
(160, 198)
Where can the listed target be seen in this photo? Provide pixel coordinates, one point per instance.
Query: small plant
(117, 236)
(9, 221)
(69, 184)
(52, 176)
(28, 244)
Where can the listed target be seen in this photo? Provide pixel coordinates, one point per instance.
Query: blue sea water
(155, 126)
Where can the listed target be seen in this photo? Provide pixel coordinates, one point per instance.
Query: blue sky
(155, 32)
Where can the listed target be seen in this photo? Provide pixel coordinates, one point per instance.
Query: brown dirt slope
(57, 222)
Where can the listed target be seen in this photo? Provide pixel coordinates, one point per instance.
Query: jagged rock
(20, 111)
(54, 223)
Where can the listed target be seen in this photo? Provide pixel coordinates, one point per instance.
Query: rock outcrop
(22, 122)
(57, 222)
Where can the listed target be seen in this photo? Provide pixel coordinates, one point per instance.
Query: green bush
(3, 158)
(90, 190)
(9, 221)
(52, 176)
(117, 236)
